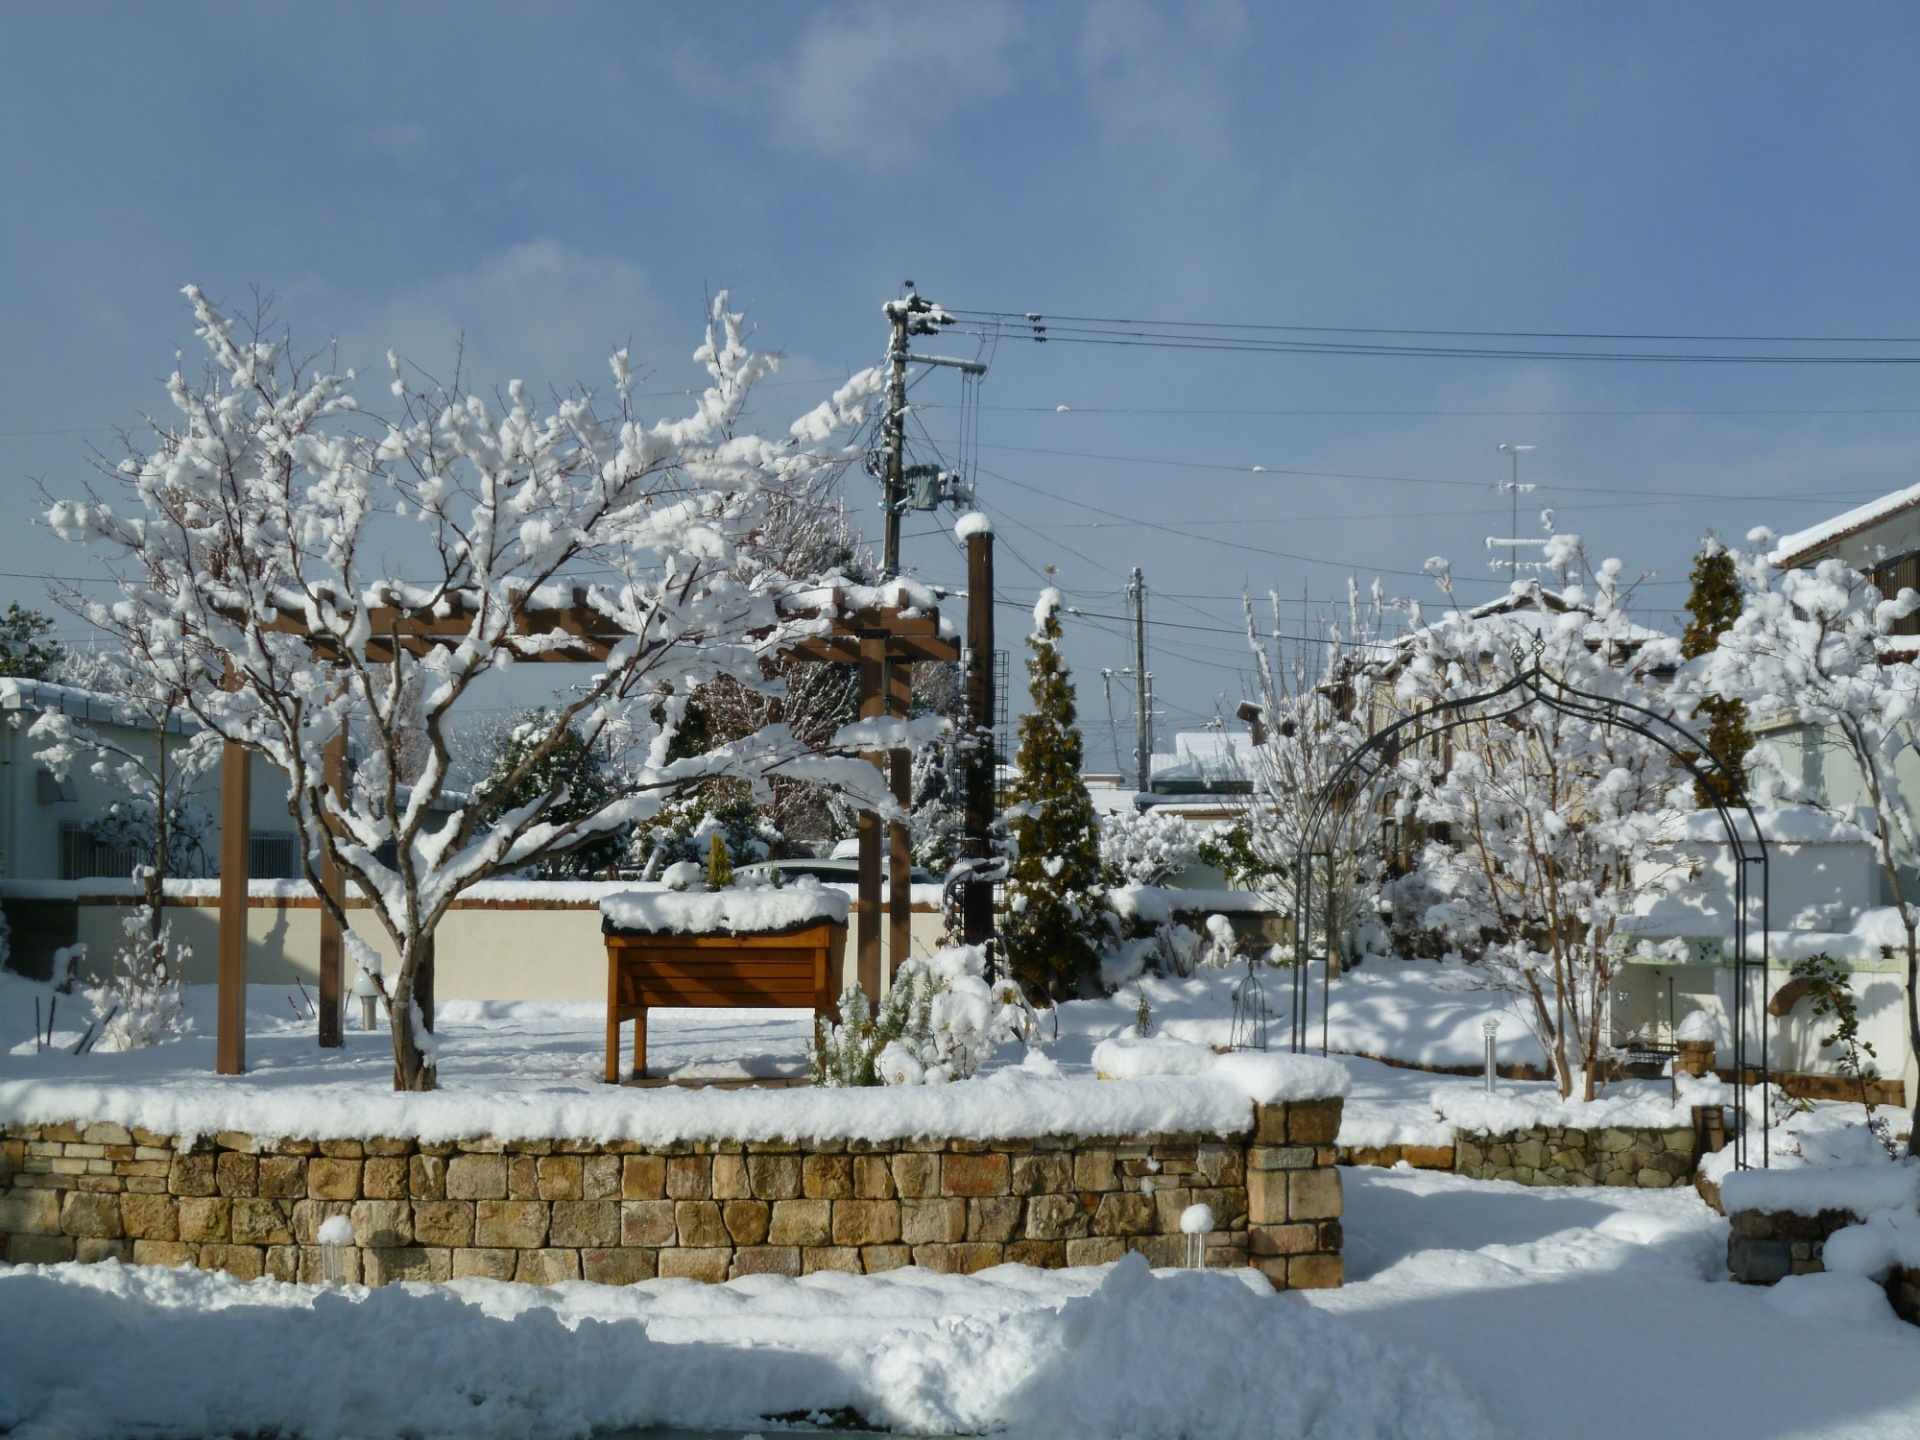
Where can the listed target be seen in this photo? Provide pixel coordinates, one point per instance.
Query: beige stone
(840, 1258)
(387, 1224)
(427, 1177)
(643, 1177)
(39, 1249)
(236, 1175)
(973, 1175)
(547, 1267)
(1041, 1254)
(1270, 1124)
(384, 1264)
(483, 1264)
(243, 1262)
(646, 1222)
(191, 1175)
(106, 1132)
(163, 1252)
(1300, 1239)
(262, 1222)
(994, 1219)
(620, 1265)
(774, 1176)
(1041, 1175)
(384, 1178)
(1095, 1250)
(1315, 1272)
(283, 1177)
(801, 1222)
(444, 1223)
(1093, 1171)
(342, 1149)
(711, 1266)
(690, 1177)
(827, 1177)
(916, 1174)
(872, 1178)
(510, 1224)
(1057, 1217)
(879, 1258)
(767, 1260)
(933, 1222)
(283, 1263)
(962, 1259)
(600, 1177)
(585, 1224)
(206, 1220)
(476, 1177)
(1312, 1195)
(310, 1215)
(30, 1212)
(333, 1178)
(1266, 1197)
(866, 1222)
(746, 1220)
(730, 1178)
(1313, 1122)
(147, 1217)
(387, 1147)
(523, 1177)
(1124, 1214)
(698, 1225)
(91, 1250)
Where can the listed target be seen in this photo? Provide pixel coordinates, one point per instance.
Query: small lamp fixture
(367, 993)
(336, 1234)
(1196, 1223)
(1490, 1027)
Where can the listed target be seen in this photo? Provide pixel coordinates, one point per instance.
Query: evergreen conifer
(1714, 603)
(1058, 912)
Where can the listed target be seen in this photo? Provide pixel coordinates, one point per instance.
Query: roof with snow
(1806, 545)
(93, 706)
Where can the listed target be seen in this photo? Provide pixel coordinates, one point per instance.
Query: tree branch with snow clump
(273, 542)
(1816, 647)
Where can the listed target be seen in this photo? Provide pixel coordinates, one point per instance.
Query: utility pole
(1513, 488)
(1142, 713)
(908, 316)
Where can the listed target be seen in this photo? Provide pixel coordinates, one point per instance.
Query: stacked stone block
(542, 1211)
(1766, 1246)
(1552, 1155)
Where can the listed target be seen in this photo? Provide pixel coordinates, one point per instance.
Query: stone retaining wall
(549, 1210)
(1551, 1155)
(1765, 1246)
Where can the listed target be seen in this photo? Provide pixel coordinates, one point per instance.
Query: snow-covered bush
(1146, 847)
(687, 828)
(940, 1021)
(142, 1001)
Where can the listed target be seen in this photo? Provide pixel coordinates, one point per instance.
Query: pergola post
(332, 987)
(900, 857)
(873, 699)
(976, 916)
(236, 796)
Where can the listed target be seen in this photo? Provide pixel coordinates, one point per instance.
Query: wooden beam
(900, 867)
(873, 654)
(236, 795)
(332, 968)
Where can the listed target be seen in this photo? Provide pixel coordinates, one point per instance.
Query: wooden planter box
(792, 969)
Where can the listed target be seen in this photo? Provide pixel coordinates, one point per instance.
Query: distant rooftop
(1805, 545)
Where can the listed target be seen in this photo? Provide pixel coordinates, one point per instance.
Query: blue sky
(550, 180)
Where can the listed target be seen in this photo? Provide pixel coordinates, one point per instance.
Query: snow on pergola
(884, 629)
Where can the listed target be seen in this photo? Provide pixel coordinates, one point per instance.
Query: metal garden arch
(1531, 685)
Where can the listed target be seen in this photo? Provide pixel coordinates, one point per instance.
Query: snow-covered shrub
(687, 828)
(1146, 847)
(940, 1021)
(1223, 947)
(142, 1002)
(132, 826)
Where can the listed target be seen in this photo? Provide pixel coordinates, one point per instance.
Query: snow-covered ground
(1471, 1309)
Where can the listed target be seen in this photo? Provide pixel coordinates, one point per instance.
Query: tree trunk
(1913, 1022)
(412, 1069)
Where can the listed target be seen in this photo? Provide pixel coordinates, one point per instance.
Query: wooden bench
(795, 969)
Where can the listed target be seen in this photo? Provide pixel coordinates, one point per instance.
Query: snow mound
(1810, 1189)
(1475, 1112)
(1265, 1078)
(1117, 1353)
(762, 910)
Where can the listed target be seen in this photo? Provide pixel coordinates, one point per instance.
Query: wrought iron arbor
(1357, 781)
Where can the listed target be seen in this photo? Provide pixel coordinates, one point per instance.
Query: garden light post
(1490, 1027)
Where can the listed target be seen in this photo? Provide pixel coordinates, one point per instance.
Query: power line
(1438, 414)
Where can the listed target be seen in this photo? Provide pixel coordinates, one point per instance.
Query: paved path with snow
(1607, 1313)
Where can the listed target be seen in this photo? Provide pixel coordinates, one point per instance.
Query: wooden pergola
(883, 640)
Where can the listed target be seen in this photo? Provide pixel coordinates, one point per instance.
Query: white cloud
(866, 85)
(541, 311)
